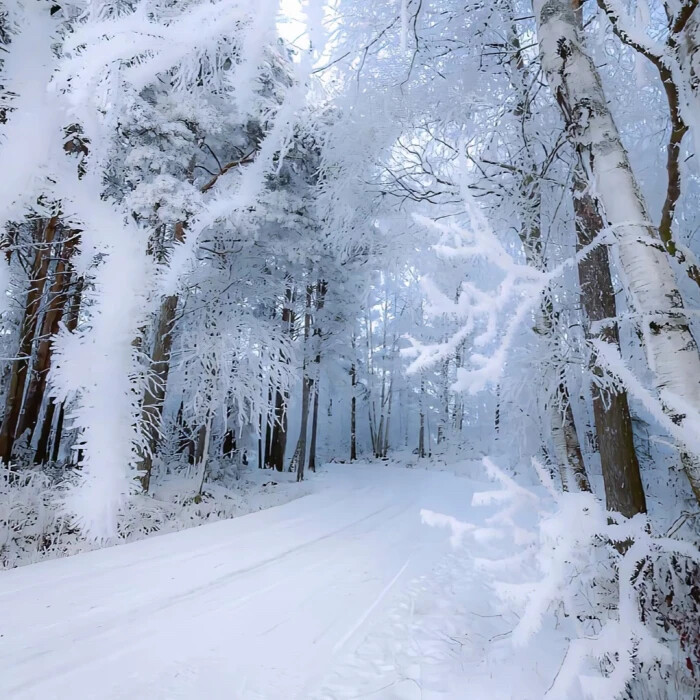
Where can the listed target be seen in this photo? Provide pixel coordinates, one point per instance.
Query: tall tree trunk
(185, 442)
(381, 431)
(41, 455)
(42, 451)
(671, 350)
(566, 442)
(268, 445)
(573, 445)
(497, 415)
(299, 459)
(58, 433)
(371, 404)
(445, 387)
(278, 437)
(458, 413)
(353, 424)
(379, 438)
(265, 422)
(202, 453)
(385, 443)
(314, 433)
(261, 443)
(353, 405)
(278, 433)
(58, 298)
(624, 491)
(321, 290)
(421, 414)
(46, 231)
(156, 383)
(562, 425)
(228, 444)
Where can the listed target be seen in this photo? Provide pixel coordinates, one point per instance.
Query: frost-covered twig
(490, 317)
(597, 566)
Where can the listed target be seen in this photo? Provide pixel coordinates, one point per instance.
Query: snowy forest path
(260, 606)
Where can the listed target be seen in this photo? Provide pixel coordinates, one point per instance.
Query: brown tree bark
(157, 380)
(42, 451)
(278, 437)
(670, 348)
(57, 302)
(156, 384)
(624, 491)
(46, 232)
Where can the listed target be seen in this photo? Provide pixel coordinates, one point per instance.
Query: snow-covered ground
(383, 582)
(283, 603)
(32, 526)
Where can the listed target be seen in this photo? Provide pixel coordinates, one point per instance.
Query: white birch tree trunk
(671, 350)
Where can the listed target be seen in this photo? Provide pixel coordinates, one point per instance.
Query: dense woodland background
(241, 235)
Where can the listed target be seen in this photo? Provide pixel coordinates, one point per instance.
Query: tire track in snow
(113, 625)
(243, 625)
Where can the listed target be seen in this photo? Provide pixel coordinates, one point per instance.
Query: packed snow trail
(261, 606)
